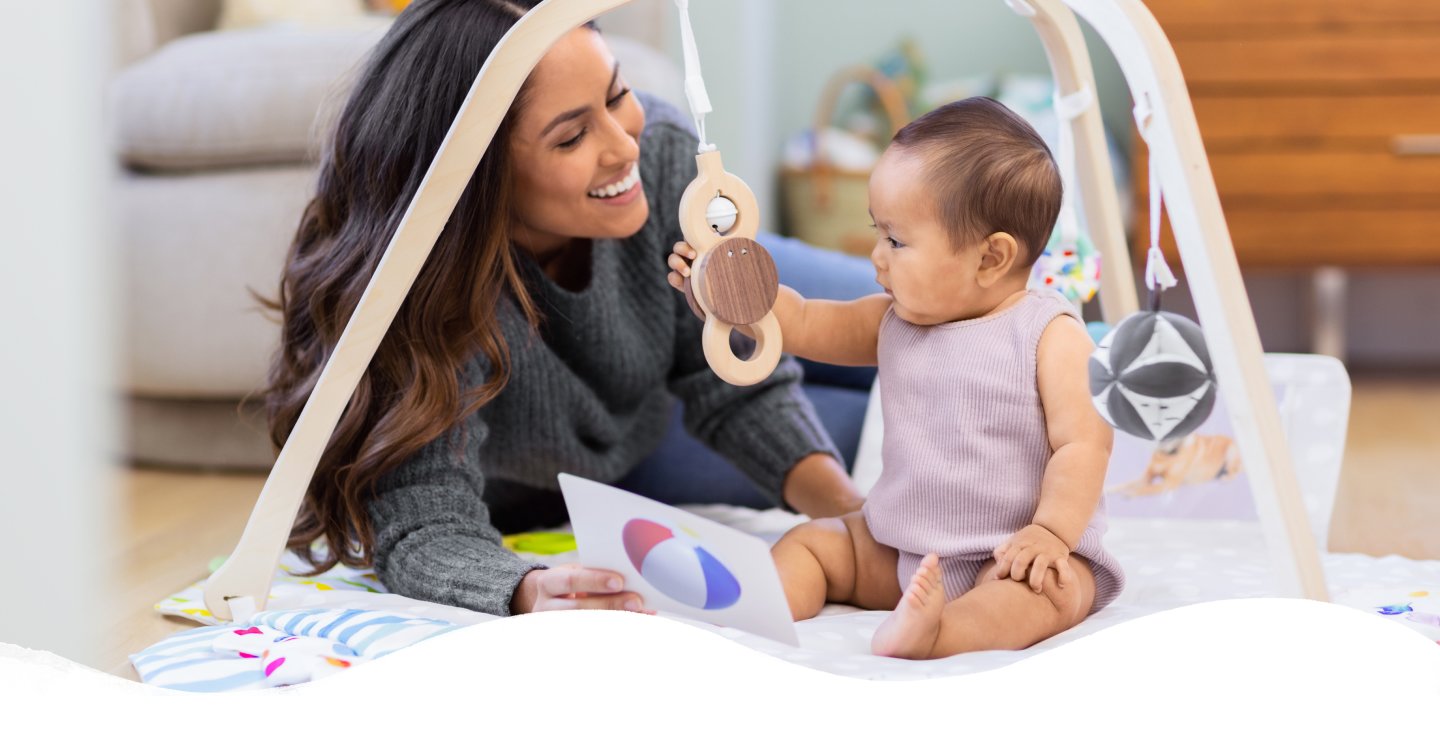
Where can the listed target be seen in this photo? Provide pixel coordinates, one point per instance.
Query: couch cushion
(193, 248)
(234, 98)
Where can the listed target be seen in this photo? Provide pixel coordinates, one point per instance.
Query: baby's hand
(680, 265)
(1029, 553)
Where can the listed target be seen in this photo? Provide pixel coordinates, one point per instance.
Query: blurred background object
(57, 301)
(1321, 119)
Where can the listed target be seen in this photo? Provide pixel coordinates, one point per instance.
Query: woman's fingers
(582, 588)
(685, 249)
(619, 601)
(676, 281)
(562, 581)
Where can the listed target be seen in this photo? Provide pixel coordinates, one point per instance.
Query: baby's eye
(894, 243)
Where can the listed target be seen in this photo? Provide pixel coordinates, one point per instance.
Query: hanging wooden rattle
(733, 283)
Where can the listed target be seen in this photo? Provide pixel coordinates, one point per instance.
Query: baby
(984, 529)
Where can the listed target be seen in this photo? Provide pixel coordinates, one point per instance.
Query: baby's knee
(816, 531)
(1072, 602)
(819, 537)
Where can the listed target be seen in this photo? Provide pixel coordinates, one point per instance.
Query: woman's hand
(1029, 553)
(572, 587)
(680, 264)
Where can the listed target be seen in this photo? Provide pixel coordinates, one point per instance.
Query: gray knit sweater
(590, 394)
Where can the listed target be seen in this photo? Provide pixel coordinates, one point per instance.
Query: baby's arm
(1074, 476)
(1080, 438)
(836, 332)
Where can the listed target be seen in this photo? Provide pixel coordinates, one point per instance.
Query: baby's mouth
(618, 188)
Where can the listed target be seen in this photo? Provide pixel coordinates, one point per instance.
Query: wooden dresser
(1321, 119)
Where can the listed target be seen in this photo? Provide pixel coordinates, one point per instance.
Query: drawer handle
(1415, 145)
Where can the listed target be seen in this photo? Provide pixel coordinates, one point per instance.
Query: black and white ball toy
(1151, 376)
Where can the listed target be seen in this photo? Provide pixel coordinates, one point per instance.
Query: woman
(541, 335)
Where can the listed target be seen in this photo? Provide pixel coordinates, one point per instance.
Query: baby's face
(930, 282)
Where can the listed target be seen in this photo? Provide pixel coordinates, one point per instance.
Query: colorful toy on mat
(1070, 267)
(546, 543)
(285, 660)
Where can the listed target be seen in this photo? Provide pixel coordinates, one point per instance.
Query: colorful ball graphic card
(680, 563)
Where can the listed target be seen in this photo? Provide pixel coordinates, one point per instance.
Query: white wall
(55, 425)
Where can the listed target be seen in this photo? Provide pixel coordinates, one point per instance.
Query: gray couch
(217, 133)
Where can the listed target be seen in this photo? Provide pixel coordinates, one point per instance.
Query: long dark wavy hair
(390, 128)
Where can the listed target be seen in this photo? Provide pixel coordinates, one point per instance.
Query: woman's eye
(571, 142)
(613, 102)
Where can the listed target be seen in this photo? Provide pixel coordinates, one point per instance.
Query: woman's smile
(622, 191)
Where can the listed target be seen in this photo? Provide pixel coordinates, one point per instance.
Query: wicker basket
(829, 207)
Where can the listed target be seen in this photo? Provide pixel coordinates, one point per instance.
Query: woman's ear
(999, 255)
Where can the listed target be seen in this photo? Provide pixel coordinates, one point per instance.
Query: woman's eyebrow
(578, 111)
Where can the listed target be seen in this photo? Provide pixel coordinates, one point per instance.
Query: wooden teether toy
(732, 283)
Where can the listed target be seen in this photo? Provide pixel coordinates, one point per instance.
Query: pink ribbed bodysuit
(965, 444)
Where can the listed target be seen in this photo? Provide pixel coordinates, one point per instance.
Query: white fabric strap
(1068, 108)
(1021, 8)
(1157, 270)
(695, 93)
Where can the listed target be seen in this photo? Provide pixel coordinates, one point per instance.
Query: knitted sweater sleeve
(433, 537)
(764, 429)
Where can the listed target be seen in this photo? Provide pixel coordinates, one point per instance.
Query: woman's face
(575, 149)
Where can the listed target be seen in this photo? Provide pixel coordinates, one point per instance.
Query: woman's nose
(620, 147)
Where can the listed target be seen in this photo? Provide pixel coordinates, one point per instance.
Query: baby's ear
(999, 256)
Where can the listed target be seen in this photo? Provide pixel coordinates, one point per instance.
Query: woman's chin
(626, 221)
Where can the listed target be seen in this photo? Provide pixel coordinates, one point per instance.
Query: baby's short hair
(989, 172)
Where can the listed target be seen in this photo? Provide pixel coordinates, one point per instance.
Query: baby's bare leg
(835, 560)
(1008, 615)
(993, 615)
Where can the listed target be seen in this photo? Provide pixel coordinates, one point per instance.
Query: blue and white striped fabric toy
(279, 648)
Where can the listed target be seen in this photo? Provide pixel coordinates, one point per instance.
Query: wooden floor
(173, 523)
(1389, 499)
(1389, 503)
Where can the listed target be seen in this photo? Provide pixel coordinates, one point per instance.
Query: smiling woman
(582, 162)
(540, 336)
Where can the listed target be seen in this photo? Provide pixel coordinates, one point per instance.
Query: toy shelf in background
(241, 586)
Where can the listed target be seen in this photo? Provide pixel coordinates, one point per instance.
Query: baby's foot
(911, 630)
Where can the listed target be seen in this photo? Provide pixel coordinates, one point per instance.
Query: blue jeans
(683, 471)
